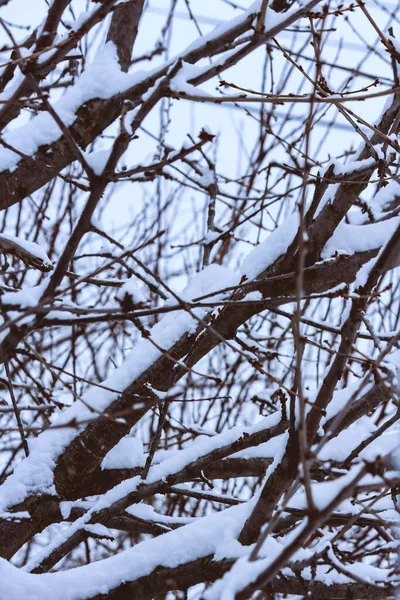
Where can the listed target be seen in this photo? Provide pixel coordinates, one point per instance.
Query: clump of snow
(179, 84)
(223, 28)
(25, 247)
(127, 454)
(97, 160)
(329, 576)
(325, 491)
(208, 178)
(270, 249)
(211, 237)
(191, 542)
(24, 298)
(352, 166)
(265, 450)
(131, 289)
(384, 197)
(360, 238)
(341, 398)
(145, 511)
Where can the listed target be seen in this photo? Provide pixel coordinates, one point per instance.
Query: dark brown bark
(207, 570)
(80, 461)
(123, 30)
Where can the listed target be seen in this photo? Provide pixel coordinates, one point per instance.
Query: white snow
(97, 160)
(102, 79)
(223, 28)
(342, 397)
(203, 445)
(147, 512)
(24, 298)
(132, 289)
(325, 491)
(193, 541)
(330, 576)
(30, 248)
(245, 572)
(341, 446)
(352, 166)
(180, 84)
(359, 238)
(127, 454)
(35, 473)
(384, 197)
(265, 450)
(270, 249)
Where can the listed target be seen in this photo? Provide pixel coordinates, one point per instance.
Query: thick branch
(81, 460)
(206, 570)
(93, 117)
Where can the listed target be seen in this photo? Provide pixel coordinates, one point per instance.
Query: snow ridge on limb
(29, 252)
(187, 431)
(44, 59)
(239, 26)
(182, 466)
(88, 109)
(143, 569)
(35, 474)
(54, 441)
(279, 480)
